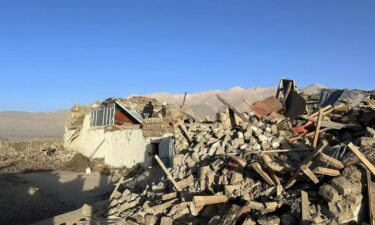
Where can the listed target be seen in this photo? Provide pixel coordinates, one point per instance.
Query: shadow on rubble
(30, 197)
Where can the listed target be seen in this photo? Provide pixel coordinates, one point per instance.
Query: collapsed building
(291, 159)
(116, 131)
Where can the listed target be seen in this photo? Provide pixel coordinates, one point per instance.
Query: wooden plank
(331, 161)
(307, 162)
(279, 87)
(169, 176)
(279, 190)
(371, 197)
(280, 150)
(262, 173)
(326, 171)
(362, 158)
(315, 114)
(200, 201)
(185, 133)
(371, 106)
(305, 208)
(267, 161)
(286, 94)
(116, 188)
(317, 130)
(263, 207)
(309, 174)
(231, 107)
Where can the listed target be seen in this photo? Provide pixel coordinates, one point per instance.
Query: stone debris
(246, 169)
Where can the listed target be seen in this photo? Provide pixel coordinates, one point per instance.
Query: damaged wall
(120, 148)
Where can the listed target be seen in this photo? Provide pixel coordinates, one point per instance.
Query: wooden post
(306, 170)
(326, 171)
(362, 158)
(231, 107)
(267, 161)
(307, 163)
(116, 188)
(317, 130)
(331, 161)
(262, 173)
(305, 208)
(161, 164)
(183, 102)
(286, 94)
(200, 201)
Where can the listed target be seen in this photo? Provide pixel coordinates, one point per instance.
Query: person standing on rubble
(148, 110)
(164, 110)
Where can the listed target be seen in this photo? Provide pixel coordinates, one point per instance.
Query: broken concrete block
(272, 220)
(166, 221)
(178, 159)
(186, 182)
(215, 220)
(329, 193)
(236, 178)
(229, 190)
(150, 219)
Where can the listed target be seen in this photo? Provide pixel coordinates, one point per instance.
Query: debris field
(269, 166)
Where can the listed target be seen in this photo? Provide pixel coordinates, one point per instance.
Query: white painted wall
(121, 148)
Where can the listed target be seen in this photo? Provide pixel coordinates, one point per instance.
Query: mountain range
(51, 124)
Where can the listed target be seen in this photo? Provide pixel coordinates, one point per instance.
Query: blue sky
(57, 53)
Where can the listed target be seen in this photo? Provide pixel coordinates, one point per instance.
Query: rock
(166, 221)
(256, 147)
(178, 160)
(248, 221)
(150, 219)
(329, 193)
(214, 220)
(262, 138)
(272, 220)
(236, 178)
(370, 132)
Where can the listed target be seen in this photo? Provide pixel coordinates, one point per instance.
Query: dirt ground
(40, 179)
(24, 156)
(27, 198)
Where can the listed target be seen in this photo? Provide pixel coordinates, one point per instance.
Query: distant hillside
(15, 124)
(202, 104)
(313, 89)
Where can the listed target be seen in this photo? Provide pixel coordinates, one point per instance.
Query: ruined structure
(118, 134)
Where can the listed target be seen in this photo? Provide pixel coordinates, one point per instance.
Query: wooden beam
(116, 188)
(200, 201)
(370, 195)
(326, 171)
(371, 106)
(279, 88)
(331, 161)
(169, 176)
(247, 102)
(231, 107)
(362, 158)
(309, 174)
(286, 94)
(267, 161)
(315, 114)
(317, 130)
(305, 208)
(262, 173)
(263, 207)
(307, 162)
(280, 150)
(184, 132)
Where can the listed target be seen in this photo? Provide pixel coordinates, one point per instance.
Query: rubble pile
(250, 172)
(32, 155)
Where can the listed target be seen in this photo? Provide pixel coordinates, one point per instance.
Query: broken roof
(134, 115)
